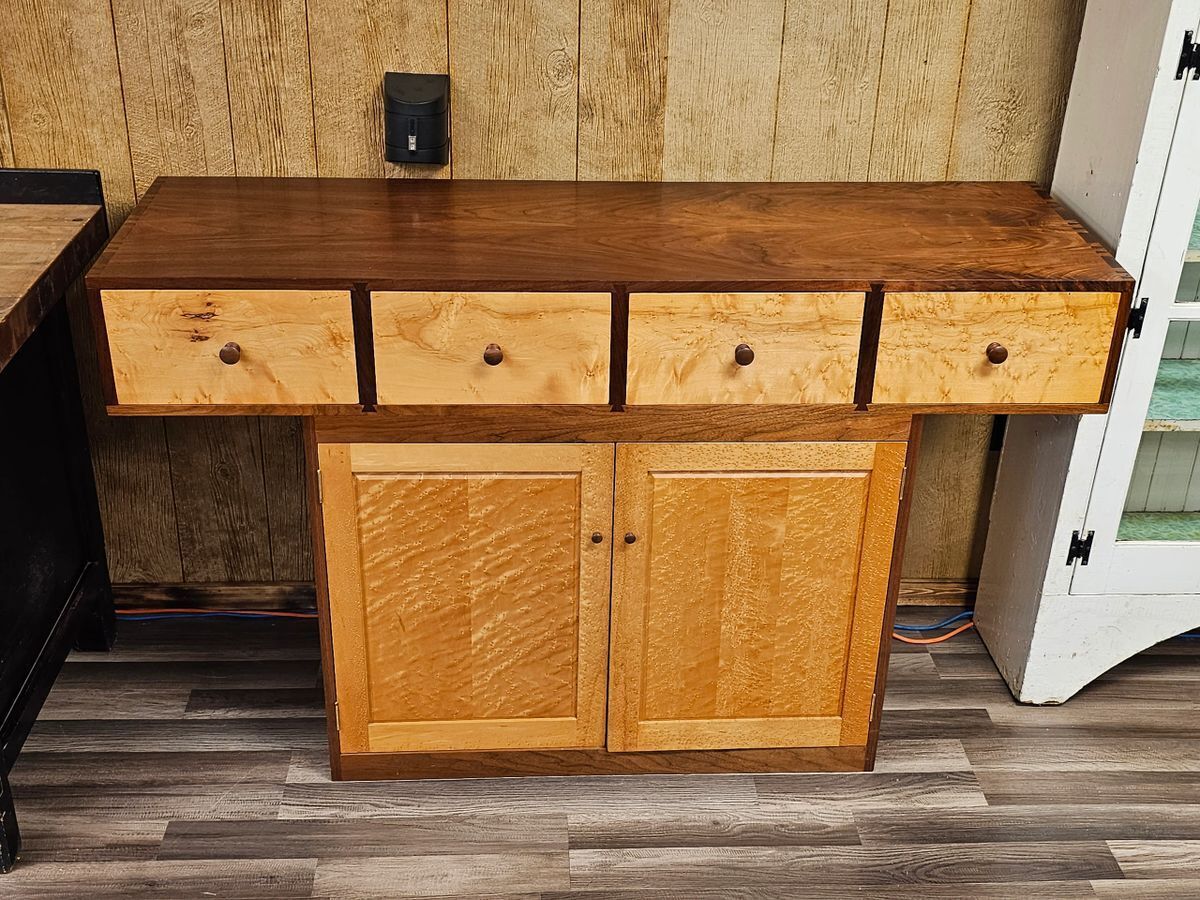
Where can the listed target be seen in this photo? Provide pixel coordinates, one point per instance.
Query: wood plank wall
(562, 89)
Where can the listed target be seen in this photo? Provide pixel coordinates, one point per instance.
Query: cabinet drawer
(1046, 347)
(289, 347)
(451, 348)
(743, 348)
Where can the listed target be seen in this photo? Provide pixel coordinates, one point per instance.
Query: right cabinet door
(750, 585)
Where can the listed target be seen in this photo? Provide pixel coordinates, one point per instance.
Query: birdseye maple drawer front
(995, 347)
(231, 347)
(743, 348)
(493, 347)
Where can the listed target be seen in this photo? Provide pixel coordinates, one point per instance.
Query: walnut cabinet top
(601, 236)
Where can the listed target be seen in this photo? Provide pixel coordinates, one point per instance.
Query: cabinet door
(748, 608)
(468, 601)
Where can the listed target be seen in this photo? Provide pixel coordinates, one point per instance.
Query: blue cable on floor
(945, 623)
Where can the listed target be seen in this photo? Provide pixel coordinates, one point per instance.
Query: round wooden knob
(230, 353)
(493, 355)
(743, 354)
(630, 537)
(996, 353)
(597, 537)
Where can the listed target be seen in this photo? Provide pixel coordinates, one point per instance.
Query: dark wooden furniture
(605, 477)
(54, 587)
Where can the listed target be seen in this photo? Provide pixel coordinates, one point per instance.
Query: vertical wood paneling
(6, 149)
(947, 521)
(722, 88)
(173, 72)
(635, 89)
(514, 89)
(352, 43)
(287, 512)
(829, 78)
(220, 499)
(918, 89)
(58, 64)
(622, 89)
(270, 88)
(1007, 123)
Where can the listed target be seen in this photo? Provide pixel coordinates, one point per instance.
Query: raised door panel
(747, 612)
(743, 347)
(940, 347)
(468, 600)
(292, 347)
(494, 347)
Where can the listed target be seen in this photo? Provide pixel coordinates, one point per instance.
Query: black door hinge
(1137, 317)
(1189, 58)
(1080, 549)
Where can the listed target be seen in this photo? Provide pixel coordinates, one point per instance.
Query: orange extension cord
(937, 640)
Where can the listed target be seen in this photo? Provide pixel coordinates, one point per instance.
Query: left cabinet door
(468, 595)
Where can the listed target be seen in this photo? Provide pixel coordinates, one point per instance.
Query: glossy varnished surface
(192, 759)
(463, 235)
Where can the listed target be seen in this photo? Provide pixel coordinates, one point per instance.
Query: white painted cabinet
(1094, 548)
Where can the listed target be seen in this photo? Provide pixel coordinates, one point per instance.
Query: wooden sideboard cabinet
(605, 477)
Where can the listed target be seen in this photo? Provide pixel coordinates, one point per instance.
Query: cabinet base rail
(505, 763)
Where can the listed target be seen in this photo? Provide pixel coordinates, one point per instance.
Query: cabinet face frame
(628, 729)
(339, 464)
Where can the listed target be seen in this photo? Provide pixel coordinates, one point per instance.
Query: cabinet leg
(97, 620)
(10, 836)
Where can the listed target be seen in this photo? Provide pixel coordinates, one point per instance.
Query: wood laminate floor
(191, 762)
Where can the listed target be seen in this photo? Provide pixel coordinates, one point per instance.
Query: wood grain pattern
(6, 146)
(270, 93)
(918, 87)
(287, 514)
(38, 241)
(220, 499)
(478, 615)
(429, 347)
(556, 424)
(921, 824)
(719, 118)
(952, 497)
(64, 102)
(931, 347)
(296, 346)
(352, 43)
(681, 348)
(515, 88)
(173, 76)
(828, 81)
(746, 657)
(1006, 123)
(622, 89)
(592, 236)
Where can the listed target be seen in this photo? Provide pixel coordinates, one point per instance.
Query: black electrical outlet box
(416, 118)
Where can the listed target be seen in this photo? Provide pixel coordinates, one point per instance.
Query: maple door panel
(468, 602)
(748, 610)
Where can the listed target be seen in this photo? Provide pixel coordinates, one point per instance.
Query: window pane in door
(1163, 503)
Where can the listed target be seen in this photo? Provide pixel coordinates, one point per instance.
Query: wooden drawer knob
(230, 354)
(996, 353)
(630, 537)
(597, 537)
(493, 355)
(743, 354)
